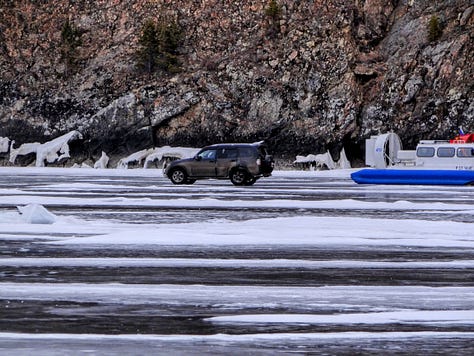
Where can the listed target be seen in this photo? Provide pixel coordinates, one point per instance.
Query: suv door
(205, 164)
(226, 159)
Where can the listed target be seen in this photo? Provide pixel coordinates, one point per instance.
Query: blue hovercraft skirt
(413, 176)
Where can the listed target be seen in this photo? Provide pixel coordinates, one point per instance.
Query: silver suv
(242, 163)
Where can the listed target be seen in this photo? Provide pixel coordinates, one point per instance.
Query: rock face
(318, 75)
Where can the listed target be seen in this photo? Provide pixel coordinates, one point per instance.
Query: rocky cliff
(311, 76)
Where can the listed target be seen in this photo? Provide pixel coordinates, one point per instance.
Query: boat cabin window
(446, 152)
(465, 152)
(425, 151)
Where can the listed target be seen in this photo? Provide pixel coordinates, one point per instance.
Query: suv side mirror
(197, 158)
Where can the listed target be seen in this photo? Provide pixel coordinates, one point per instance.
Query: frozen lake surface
(305, 262)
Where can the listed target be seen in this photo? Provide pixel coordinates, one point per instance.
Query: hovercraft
(433, 162)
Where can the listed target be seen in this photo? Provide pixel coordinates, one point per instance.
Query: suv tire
(250, 181)
(178, 176)
(238, 176)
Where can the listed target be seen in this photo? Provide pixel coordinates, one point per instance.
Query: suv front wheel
(178, 176)
(238, 177)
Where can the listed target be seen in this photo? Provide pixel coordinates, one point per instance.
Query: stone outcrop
(322, 75)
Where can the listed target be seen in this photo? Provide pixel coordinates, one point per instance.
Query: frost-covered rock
(324, 160)
(81, 165)
(343, 162)
(4, 144)
(134, 157)
(51, 151)
(102, 162)
(23, 150)
(148, 156)
(168, 152)
(319, 160)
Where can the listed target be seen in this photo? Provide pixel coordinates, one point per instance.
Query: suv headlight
(259, 161)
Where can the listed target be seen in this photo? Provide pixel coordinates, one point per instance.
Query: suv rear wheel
(250, 181)
(238, 176)
(178, 176)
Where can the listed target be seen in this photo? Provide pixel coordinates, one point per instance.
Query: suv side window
(227, 153)
(247, 152)
(208, 154)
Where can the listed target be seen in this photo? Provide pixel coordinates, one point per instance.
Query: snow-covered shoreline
(153, 172)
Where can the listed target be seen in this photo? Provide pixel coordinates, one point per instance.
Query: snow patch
(244, 338)
(362, 300)
(264, 337)
(293, 231)
(36, 214)
(417, 317)
(132, 262)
